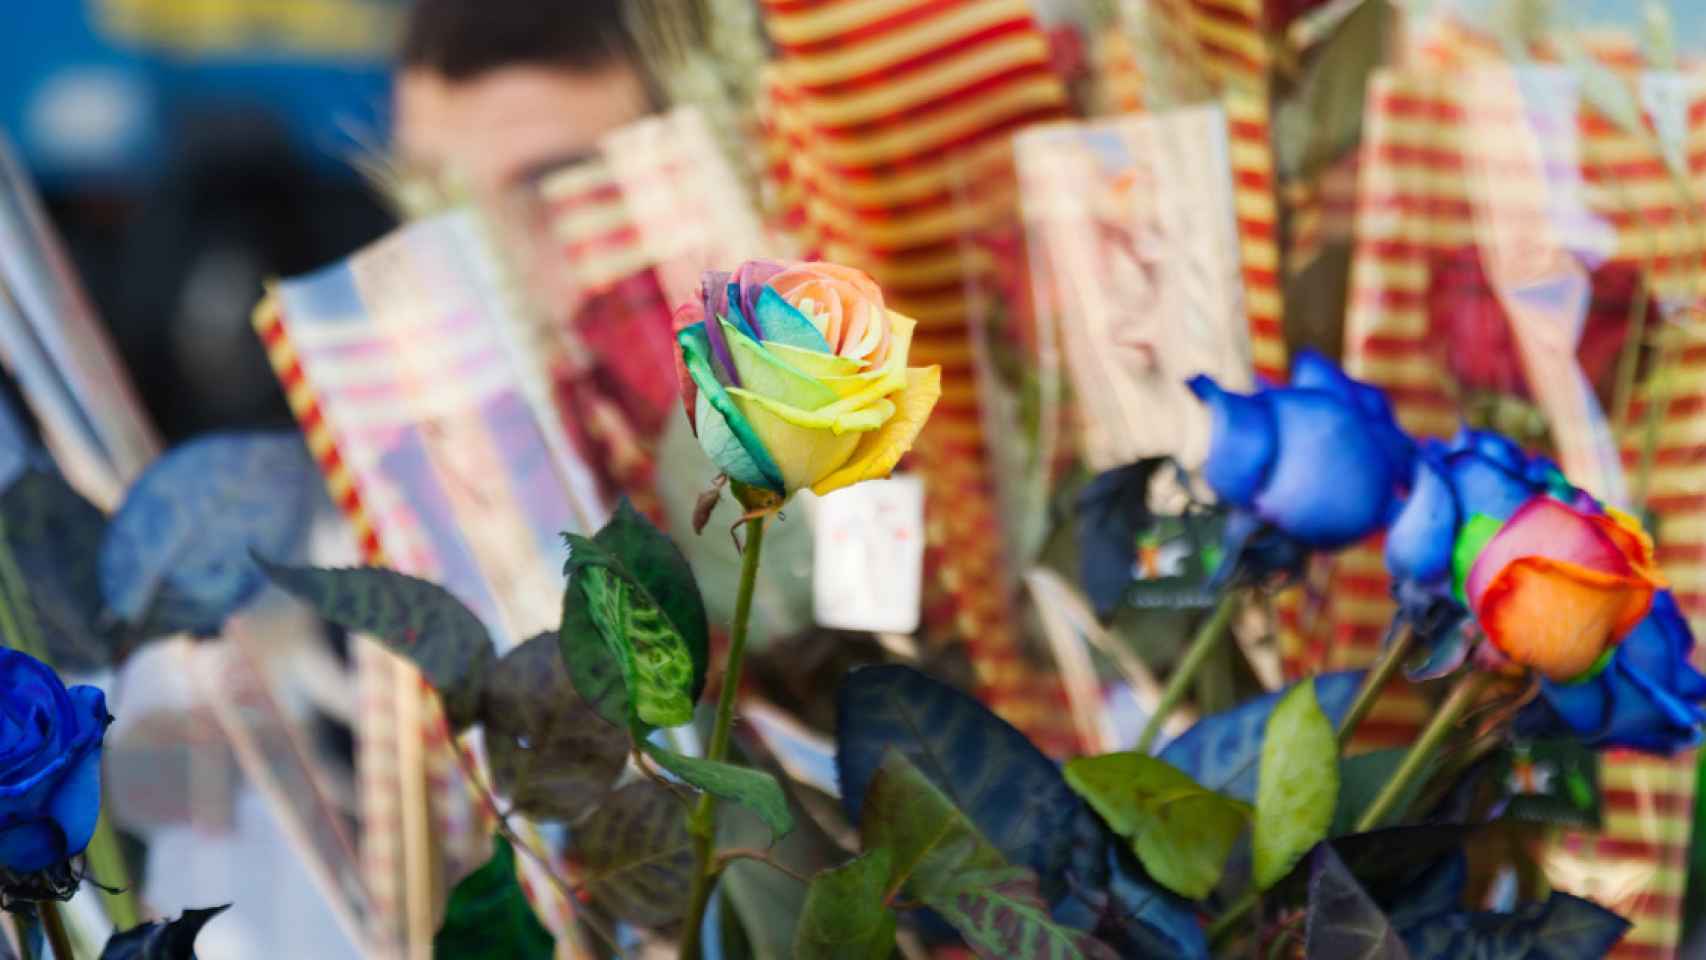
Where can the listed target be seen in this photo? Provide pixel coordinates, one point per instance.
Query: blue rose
(50, 764)
(1646, 696)
(1320, 462)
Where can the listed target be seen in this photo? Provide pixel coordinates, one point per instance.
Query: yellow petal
(761, 372)
(808, 444)
(879, 451)
(811, 362)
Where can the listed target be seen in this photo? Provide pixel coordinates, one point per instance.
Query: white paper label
(868, 556)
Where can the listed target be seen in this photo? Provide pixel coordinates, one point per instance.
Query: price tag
(868, 555)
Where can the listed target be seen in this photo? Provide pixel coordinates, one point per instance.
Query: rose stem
(703, 822)
(1462, 697)
(1378, 676)
(21, 631)
(1202, 646)
(54, 925)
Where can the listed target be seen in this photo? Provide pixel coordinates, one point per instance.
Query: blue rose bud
(1321, 460)
(50, 764)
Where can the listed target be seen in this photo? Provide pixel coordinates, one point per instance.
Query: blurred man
(494, 93)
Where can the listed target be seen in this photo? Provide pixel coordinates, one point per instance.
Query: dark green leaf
(845, 917)
(1180, 832)
(1361, 778)
(177, 555)
(413, 617)
(55, 538)
(161, 940)
(1297, 786)
(658, 566)
(1008, 788)
(941, 859)
(1344, 921)
(636, 855)
(656, 663)
(549, 753)
(753, 789)
(1563, 927)
(592, 665)
(488, 917)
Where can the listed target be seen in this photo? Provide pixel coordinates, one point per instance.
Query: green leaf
(652, 560)
(941, 859)
(636, 855)
(592, 664)
(162, 939)
(488, 917)
(753, 789)
(55, 538)
(1180, 831)
(845, 918)
(415, 618)
(1297, 785)
(549, 753)
(656, 662)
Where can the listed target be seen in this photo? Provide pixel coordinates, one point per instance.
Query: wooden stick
(254, 765)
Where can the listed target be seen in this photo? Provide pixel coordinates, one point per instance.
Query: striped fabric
(894, 115)
(1415, 214)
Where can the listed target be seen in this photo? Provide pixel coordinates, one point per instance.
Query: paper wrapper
(629, 233)
(1493, 200)
(1222, 42)
(874, 112)
(402, 366)
(1134, 252)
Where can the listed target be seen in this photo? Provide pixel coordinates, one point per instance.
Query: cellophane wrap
(1504, 226)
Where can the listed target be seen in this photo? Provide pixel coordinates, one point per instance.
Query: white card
(868, 555)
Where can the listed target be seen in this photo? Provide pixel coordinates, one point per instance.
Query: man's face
(499, 131)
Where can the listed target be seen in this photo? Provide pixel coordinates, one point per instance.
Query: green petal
(1471, 540)
(768, 376)
(728, 439)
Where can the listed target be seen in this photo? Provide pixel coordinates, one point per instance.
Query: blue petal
(1420, 540)
(737, 316)
(1496, 447)
(1311, 370)
(1243, 441)
(1329, 484)
(76, 802)
(1646, 716)
(782, 322)
(1483, 486)
(31, 845)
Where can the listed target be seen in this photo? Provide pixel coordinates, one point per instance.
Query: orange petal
(1559, 617)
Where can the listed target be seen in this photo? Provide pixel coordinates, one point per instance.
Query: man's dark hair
(461, 39)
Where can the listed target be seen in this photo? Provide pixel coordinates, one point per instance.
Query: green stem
(1202, 646)
(702, 824)
(1223, 924)
(107, 865)
(1457, 703)
(1379, 675)
(54, 926)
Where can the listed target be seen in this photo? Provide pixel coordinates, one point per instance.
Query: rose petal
(765, 374)
(1243, 445)
(1559, 617)
(690, 314)
(878, 452)
(1543, 527)
(1419, 542)
(727, 438)
(806, 444)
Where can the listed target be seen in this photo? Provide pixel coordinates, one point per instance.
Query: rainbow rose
(794, 376)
